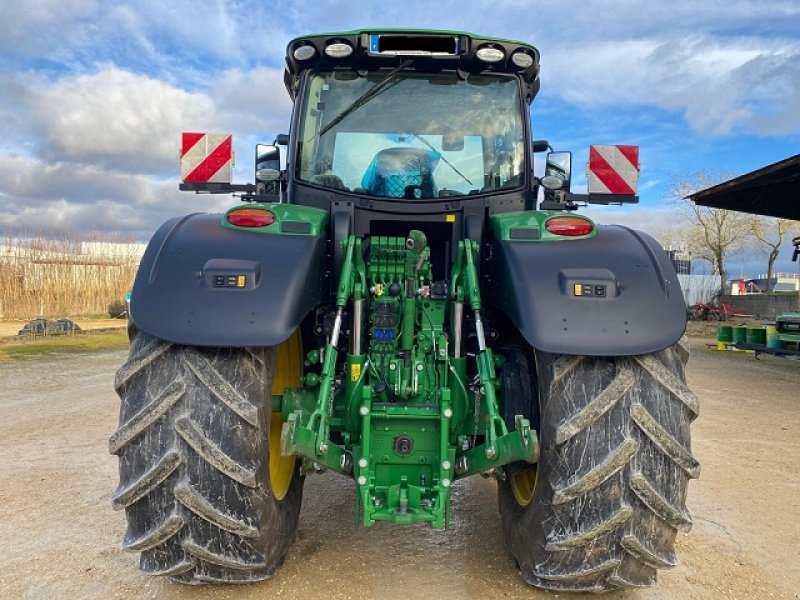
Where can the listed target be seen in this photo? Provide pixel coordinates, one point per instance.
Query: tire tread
(193, 448)
(615, 462)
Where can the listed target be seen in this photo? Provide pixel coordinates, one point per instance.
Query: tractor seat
(401, 173)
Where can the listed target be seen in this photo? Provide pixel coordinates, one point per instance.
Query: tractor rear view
(397, 306)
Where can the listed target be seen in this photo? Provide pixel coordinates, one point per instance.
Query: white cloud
(253, 101)
(40, 194)
(30, 27)
(718, 86)
(204, 33)
(111, 138)
(131, 23)
(126, 122)
(119, 119)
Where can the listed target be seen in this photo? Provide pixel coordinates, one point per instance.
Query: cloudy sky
(94, 94)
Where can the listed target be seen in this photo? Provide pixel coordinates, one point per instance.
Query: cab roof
(430, 50)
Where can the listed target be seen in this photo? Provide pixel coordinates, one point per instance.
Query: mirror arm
(206, 187)
(541, 146)
(558, 200)
(247, 192)
(603, 199)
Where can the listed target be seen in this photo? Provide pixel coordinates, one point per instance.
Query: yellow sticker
(355, 371)
(450, 218)
(240, 281)
(578, 289)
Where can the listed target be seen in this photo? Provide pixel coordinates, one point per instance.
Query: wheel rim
(523, 484)
(288, 371)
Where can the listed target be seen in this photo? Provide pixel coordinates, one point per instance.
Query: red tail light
(250, 217)
(571, 226)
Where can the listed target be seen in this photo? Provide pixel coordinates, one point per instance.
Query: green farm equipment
(397, 304)
(788, 324)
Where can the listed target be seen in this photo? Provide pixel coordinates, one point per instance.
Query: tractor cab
(409, 116)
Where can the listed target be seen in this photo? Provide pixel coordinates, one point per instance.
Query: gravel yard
(61, 539)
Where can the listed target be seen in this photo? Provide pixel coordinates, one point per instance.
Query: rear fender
(635, 304)
(208, 284)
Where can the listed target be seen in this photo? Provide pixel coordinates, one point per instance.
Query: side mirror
(558, 171)
(268, 163)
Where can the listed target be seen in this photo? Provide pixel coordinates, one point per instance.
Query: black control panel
(231, 274)
(589, 290)
(230, 281)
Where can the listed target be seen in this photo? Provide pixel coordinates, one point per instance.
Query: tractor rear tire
(194, 463)
(609, 494)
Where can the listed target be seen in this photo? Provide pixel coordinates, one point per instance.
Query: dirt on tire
(198, 500)
(613, 471)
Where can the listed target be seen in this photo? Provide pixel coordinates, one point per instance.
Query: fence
(764, 306)
(699, 288)
(57, 277)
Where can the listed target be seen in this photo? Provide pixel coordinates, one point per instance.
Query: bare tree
(672, 236)
(771, 233)
(712, 234)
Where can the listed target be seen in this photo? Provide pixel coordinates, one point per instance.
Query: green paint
(756, 335)
(295, 213)
(787, 330)
(533, 220)
(402, 409)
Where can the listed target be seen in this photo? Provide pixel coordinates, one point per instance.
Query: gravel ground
(60, 538)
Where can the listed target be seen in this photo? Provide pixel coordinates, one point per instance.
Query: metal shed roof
(773, 191)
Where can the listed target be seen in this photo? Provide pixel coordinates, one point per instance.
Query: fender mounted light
(569, 226)
(250, 217)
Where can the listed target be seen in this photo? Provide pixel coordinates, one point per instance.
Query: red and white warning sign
(207, 157)
(613, 169)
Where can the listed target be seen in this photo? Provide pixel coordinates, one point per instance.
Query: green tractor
(398, 306)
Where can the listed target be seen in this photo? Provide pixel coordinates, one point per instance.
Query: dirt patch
(708, 329)
(61, 539)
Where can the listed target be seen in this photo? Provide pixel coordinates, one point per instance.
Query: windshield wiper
(365, 97)
(447, 162)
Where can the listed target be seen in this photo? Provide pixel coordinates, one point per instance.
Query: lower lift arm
(312, 439)
(500, 447)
